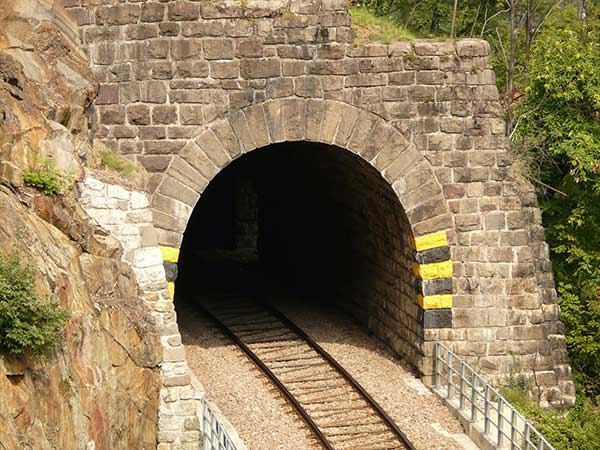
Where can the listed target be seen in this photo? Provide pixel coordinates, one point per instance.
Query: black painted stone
(433, 286)
(171, 271)
(435, 318)
(433, 255)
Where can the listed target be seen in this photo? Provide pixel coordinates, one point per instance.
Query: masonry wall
(172, 69)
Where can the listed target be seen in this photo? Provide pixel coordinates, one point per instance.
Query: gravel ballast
(261, 415)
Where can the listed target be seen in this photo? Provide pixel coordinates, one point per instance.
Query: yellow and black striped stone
(170, 258)
(433, 271)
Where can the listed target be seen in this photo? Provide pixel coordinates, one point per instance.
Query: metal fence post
(449, 359)
(486, 409)
(513, 429)
(461, 397)
(500, 435)
(473, 397)
(436, 365)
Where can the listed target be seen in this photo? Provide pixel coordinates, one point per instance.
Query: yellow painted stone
(434, 270)
(440, 301)
(170, 254)
(429, 241)
(172, 290)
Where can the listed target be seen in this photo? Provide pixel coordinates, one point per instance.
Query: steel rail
(269, 374)
(322, 352)
(388, 421)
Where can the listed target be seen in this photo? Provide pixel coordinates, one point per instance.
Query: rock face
(46, 88)
(103, 386)
(101, 389)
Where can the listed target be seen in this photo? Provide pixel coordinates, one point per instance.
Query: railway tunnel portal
(399, 146)
(329, 228)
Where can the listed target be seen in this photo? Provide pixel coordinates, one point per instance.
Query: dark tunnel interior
(310, 219)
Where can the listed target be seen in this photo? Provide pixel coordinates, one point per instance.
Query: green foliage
(28, 323)
(579, 429)
(48, 180)
(433, 18)
(116, 162)
(559, 131)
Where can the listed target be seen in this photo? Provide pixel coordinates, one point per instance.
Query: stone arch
(292, 119)
(341, 125)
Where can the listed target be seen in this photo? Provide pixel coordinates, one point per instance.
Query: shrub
(579, 429)
(48, 180)
(28, 323)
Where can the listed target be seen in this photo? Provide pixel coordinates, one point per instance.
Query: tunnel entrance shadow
(307, 226)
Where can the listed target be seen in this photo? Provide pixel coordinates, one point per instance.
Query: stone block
(472, 47)
(224, 69)
(308, 87)
(361, 132)
(280, 87)
(260, 68)
(273, 116)
(212, 147)
(164, 114)
(117, 14)
(142, 31)
(249, 48)
(191, 115)
(241, 129)
(183, 11)
(294, 119)
(187, 175)
(169, 28)
(153, 12)
(362, 79)
(113, 115)
(435, 318)
(186, 49)
(255, 116)
(218, 49)
(203, 29)
(227, 138)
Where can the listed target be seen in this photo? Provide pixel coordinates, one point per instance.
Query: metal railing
(483, 405)
(213, 430)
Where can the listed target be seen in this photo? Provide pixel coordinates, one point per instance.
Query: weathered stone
(260, 68)
(218, 48)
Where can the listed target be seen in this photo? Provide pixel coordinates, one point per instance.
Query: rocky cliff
(101, 389)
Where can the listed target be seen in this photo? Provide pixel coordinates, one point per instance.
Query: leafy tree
(558, 129)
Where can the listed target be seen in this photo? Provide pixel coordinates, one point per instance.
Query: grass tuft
(371, 28)
(116, 162)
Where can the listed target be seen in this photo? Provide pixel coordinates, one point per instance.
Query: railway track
(339, 412)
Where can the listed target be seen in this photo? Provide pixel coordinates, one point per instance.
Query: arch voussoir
(273, 115)
(379, 137)
(359, 138)
(259, 130)
(315, 110)
(209, 142)
(239, 124)
(294, 119)
(348, 118)
(389, 151)
(197, 158)
(227, 138)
